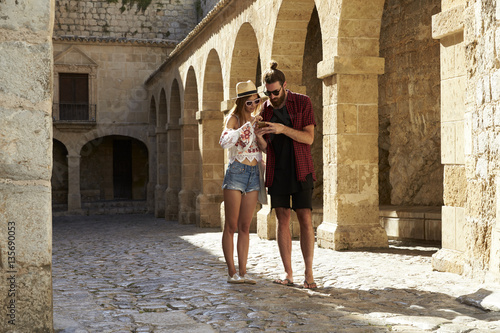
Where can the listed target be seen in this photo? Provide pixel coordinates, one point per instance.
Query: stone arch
(350, 79)
(174, 152)
(114, 167)
(313, 54)
(162, 156)
(245, 59)
(59, 179)
(212, 157)
(190, 152)
(288, 40)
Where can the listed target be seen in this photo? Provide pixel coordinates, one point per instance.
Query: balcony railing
(74, 112)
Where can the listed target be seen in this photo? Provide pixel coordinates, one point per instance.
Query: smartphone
(261, 124)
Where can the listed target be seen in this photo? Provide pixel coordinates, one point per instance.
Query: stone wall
(25, 166)
(163, 19)
(482, 131)
(409, 106)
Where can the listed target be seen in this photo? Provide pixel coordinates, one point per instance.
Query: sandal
(284, 282)
(310, 285)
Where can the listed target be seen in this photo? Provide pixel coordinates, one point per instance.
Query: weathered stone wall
(482, 130)
(117, 72)
(25, 166)
(409, 106)
(163, 19)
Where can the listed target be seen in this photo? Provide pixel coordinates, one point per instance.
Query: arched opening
(174, 155)
(245, 62)
(212, 158)
(162, 156)
(59, 180)
(190, 153)
(114, 168)
(313, 54)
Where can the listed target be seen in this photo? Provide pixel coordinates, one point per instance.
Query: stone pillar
(212, 161)
(162, 172)
(448, 26)
(174, 172)
(152, 170)
(350, 154)
(190, 184)
(26, 166)
(74, 193)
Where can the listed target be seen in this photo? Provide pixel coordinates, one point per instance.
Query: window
(74, 96)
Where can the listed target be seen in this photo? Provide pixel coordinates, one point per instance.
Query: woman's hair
(238, 107)
(272, 74)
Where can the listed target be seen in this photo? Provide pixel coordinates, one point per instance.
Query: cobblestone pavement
(137, 273)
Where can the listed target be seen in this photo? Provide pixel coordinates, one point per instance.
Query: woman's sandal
(311, 285)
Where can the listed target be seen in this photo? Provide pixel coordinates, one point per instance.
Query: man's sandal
(311, 285)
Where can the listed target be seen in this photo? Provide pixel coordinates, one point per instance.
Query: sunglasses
(274, 92)
(255, 101)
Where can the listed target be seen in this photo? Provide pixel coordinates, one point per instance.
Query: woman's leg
(232, 202)
(247, 208)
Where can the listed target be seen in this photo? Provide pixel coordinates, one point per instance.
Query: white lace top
(240, 143)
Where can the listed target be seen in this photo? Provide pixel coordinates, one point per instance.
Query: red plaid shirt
(299, 107)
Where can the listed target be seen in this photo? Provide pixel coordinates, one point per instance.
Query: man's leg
(285, 240)
(304, 216)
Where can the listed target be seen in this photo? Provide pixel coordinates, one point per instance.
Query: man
(287, 140)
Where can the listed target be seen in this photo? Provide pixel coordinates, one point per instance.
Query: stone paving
(137, 273)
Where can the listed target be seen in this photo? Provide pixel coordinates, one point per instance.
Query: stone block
(27, 147)
(448, 22)
(405, 228)
(25, 204)
(15, 17)
(358, 89)
(460, 229)
(453, 99)
(368, 119)
(455, 186)
(448, 150)
(433, 230)
(358, 149)
(32, 299)
(448, 237)
(26, 71)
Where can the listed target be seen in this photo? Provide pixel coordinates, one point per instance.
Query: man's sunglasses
(274, 92)
(256, 101)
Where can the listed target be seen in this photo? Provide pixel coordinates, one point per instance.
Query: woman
(241, 182)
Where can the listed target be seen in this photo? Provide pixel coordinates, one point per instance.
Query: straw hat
(244, 89)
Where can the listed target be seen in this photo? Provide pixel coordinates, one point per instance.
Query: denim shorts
(242, 177)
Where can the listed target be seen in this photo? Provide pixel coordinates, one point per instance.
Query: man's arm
(306, 135)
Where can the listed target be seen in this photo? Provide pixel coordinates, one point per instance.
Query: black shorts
(302, 199)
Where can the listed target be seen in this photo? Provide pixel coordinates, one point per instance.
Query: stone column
(212, 161)
(162, 171)
(350, 153)
(152, 170)
(191, 164)
(74, 194)
(26, 166)
(174, 172)
(448, 26)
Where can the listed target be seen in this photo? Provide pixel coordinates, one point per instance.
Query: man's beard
(277, 103)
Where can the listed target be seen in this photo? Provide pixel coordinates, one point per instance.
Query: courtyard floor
(138, 273)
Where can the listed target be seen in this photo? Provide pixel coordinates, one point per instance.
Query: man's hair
(272, 74)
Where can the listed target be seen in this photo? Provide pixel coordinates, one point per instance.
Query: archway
(190, 153)
(59, 180)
